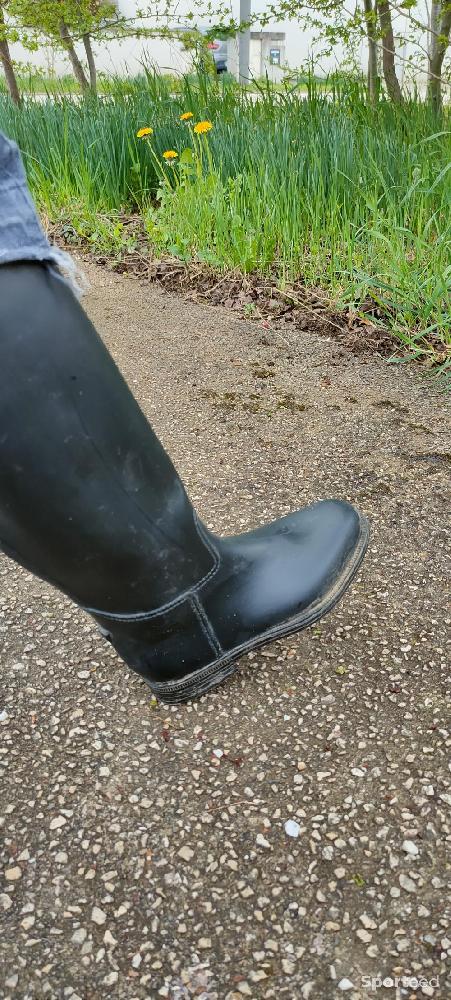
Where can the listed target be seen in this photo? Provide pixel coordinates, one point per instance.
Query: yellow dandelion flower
(186, 116)
(141, 134)
(170, 154)
(202, 127)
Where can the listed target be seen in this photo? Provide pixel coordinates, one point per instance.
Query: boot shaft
(89, 499)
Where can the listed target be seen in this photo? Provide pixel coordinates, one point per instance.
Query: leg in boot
(90, 501)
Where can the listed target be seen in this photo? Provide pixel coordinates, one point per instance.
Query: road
(144, 849)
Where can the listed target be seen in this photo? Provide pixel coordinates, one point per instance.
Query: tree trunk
(440, 32)
(388, 53)
(10, 75)
(77, 67)
(91, 63)
(370, 18)
(7, 63)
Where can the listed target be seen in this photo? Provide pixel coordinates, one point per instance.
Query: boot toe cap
(285, 568)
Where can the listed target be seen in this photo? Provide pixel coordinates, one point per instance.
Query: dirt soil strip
(143, 849)
(253, 296)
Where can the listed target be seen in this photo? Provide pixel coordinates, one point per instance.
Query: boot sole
(202, 680)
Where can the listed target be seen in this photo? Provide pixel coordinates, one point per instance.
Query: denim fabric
(21, 234)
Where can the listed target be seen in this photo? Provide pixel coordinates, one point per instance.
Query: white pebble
(98, 916)
(410, 848)
(186, 853)
(111, 978)
(79, 936)
(12, 874)
(407, 883)
(292, 829)
(58, 822)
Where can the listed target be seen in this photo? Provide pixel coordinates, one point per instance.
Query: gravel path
(288, 835)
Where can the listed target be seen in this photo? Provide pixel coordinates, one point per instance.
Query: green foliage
(34, 19)
(326, 189)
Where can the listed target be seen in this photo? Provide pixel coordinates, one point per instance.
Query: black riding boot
(90, 501)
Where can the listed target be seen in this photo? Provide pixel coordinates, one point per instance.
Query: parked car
(218, 49)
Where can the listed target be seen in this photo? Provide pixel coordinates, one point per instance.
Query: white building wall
(125, 56)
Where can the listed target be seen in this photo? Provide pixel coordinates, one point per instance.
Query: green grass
(320, 188)
(31, 82)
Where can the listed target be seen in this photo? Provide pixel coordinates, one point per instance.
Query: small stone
(402, 944)
(306, 990)
(245, 989)
(345, 984)
(13, 874)
(364, 935)
(79, 936)
(111, 978)
(204, 943)
(98, 916)
(261, 841)
(292, 829)
(3, 715)
(12, 981)
(410, 848)
(61, 858)
(368, 922)
(288, 967)
(186, 853)
(58, 822)
(5, 901)
(407, 883)
(257, 976)
(27, 922)
(339, 872)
